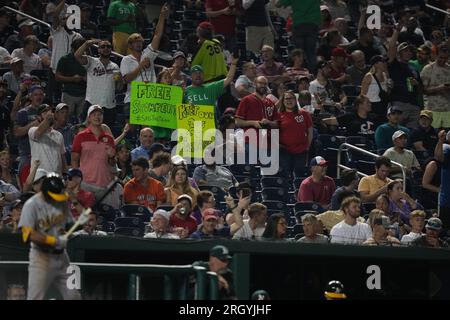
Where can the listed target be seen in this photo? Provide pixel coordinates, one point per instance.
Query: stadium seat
(136, 210)
(129, 232)
(276, 182)
(168, 208)
(108, 227)
(328, 141)
(275, 194)
(106, 213)
(351, 90)
(308, 206)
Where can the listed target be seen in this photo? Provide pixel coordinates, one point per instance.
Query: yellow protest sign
(194, 124)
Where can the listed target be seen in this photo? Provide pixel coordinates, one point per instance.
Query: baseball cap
(185, 196)
(324, 7)
(434, 224)
(375, 59)
(427, 113)
(402, 46)
(16, 203)
(75, 172)
(179, 54)
(43, 107)
(230, 110)
(40, 173)
(206, 25)
(394, 109)
(210, 213)
(318, 161)
(339, 52)
(94, 108)
(60, 106)
(178, 160)
(34, 88)
(163, 213)
(25, 22)
(220, 252)
(398, 134)
(260, 295)
(157, 147)
(382, 221)
(15, 60)
(197, 68)
(418, 213)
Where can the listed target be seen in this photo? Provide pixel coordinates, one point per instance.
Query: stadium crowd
(311, 69)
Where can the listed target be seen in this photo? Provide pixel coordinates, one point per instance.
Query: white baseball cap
(177, 160)
(163, 213)
(93, 108)
(40, 173)
(398, 134)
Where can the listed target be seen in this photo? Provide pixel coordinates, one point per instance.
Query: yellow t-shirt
(210, 56)
(372, 184)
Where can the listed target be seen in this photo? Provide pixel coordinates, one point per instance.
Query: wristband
(50, 240)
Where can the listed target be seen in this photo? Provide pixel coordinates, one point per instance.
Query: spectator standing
(89, 30)
(318, 187)
(15, 41)
(139, 64)
(61, 124)
(47, 144)
(364, 43)
(422, 59)
(210, 54)
(13, 78)
(296, 133)
(436, 80)
(350, 230)
(31, 61)
(222, 14)
(122, 17)
(358, 69)
(245, 83)
(103, 77)
(442, 153)
(274, 71)
(146, 141)
(259, 29)
(72, 75)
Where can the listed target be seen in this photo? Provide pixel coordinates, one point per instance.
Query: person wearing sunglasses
(103, 78)
(79, 198)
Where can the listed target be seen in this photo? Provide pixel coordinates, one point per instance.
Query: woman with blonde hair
(178, 184)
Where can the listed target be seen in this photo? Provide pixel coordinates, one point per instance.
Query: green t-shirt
(69, 66)
(304, 11)
(121, 10)
(416, 65)
(205, 95)
(210, 56)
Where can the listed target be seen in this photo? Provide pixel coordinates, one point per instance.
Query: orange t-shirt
(144, 195)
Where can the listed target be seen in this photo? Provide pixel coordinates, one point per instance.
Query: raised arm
(231, 72)
(392, 49)
(79, 54)
(439, 150)
(56, 20)
(159, 30)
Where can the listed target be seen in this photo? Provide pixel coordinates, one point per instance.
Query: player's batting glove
(61, 243)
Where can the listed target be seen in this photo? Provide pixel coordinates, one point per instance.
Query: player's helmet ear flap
(53, 188)
(335, 290)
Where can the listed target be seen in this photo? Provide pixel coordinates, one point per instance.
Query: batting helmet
(335, 290)
(53, 188)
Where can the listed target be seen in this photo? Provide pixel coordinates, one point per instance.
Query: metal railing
(437, 9)
(202, 277)
(48, 26)
(367, 153)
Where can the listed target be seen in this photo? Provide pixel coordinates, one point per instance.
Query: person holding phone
(46, 143)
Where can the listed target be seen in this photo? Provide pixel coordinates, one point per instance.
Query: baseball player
(43, 220)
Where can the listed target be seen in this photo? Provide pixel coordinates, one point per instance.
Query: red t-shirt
(190, 223)
(93, 157)
(86, 199)
(334, 74)
(223, 24)
(320, 192)
(251, 108)
(294, 130)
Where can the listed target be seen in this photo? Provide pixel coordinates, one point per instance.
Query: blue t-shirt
(445, 178)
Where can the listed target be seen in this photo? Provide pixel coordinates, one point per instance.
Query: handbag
(384, 95)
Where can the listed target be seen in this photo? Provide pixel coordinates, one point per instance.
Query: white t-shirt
(153, 235)
(30, 63)
(318, 91)
(100, 87)
(410, 237)
(130, 63)
(94, 233)
(246, 232)
(48, 149)
(343, 233)
(61, 45)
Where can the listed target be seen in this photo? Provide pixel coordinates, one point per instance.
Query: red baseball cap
(206, 25)
(339, 52)
(210, 213)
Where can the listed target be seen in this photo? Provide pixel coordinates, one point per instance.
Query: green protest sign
(154, 104)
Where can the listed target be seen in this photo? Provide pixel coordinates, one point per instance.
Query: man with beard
(103, 76)
(139, 65)
(350, 230)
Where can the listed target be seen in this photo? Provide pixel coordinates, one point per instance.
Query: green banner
(154, 104)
